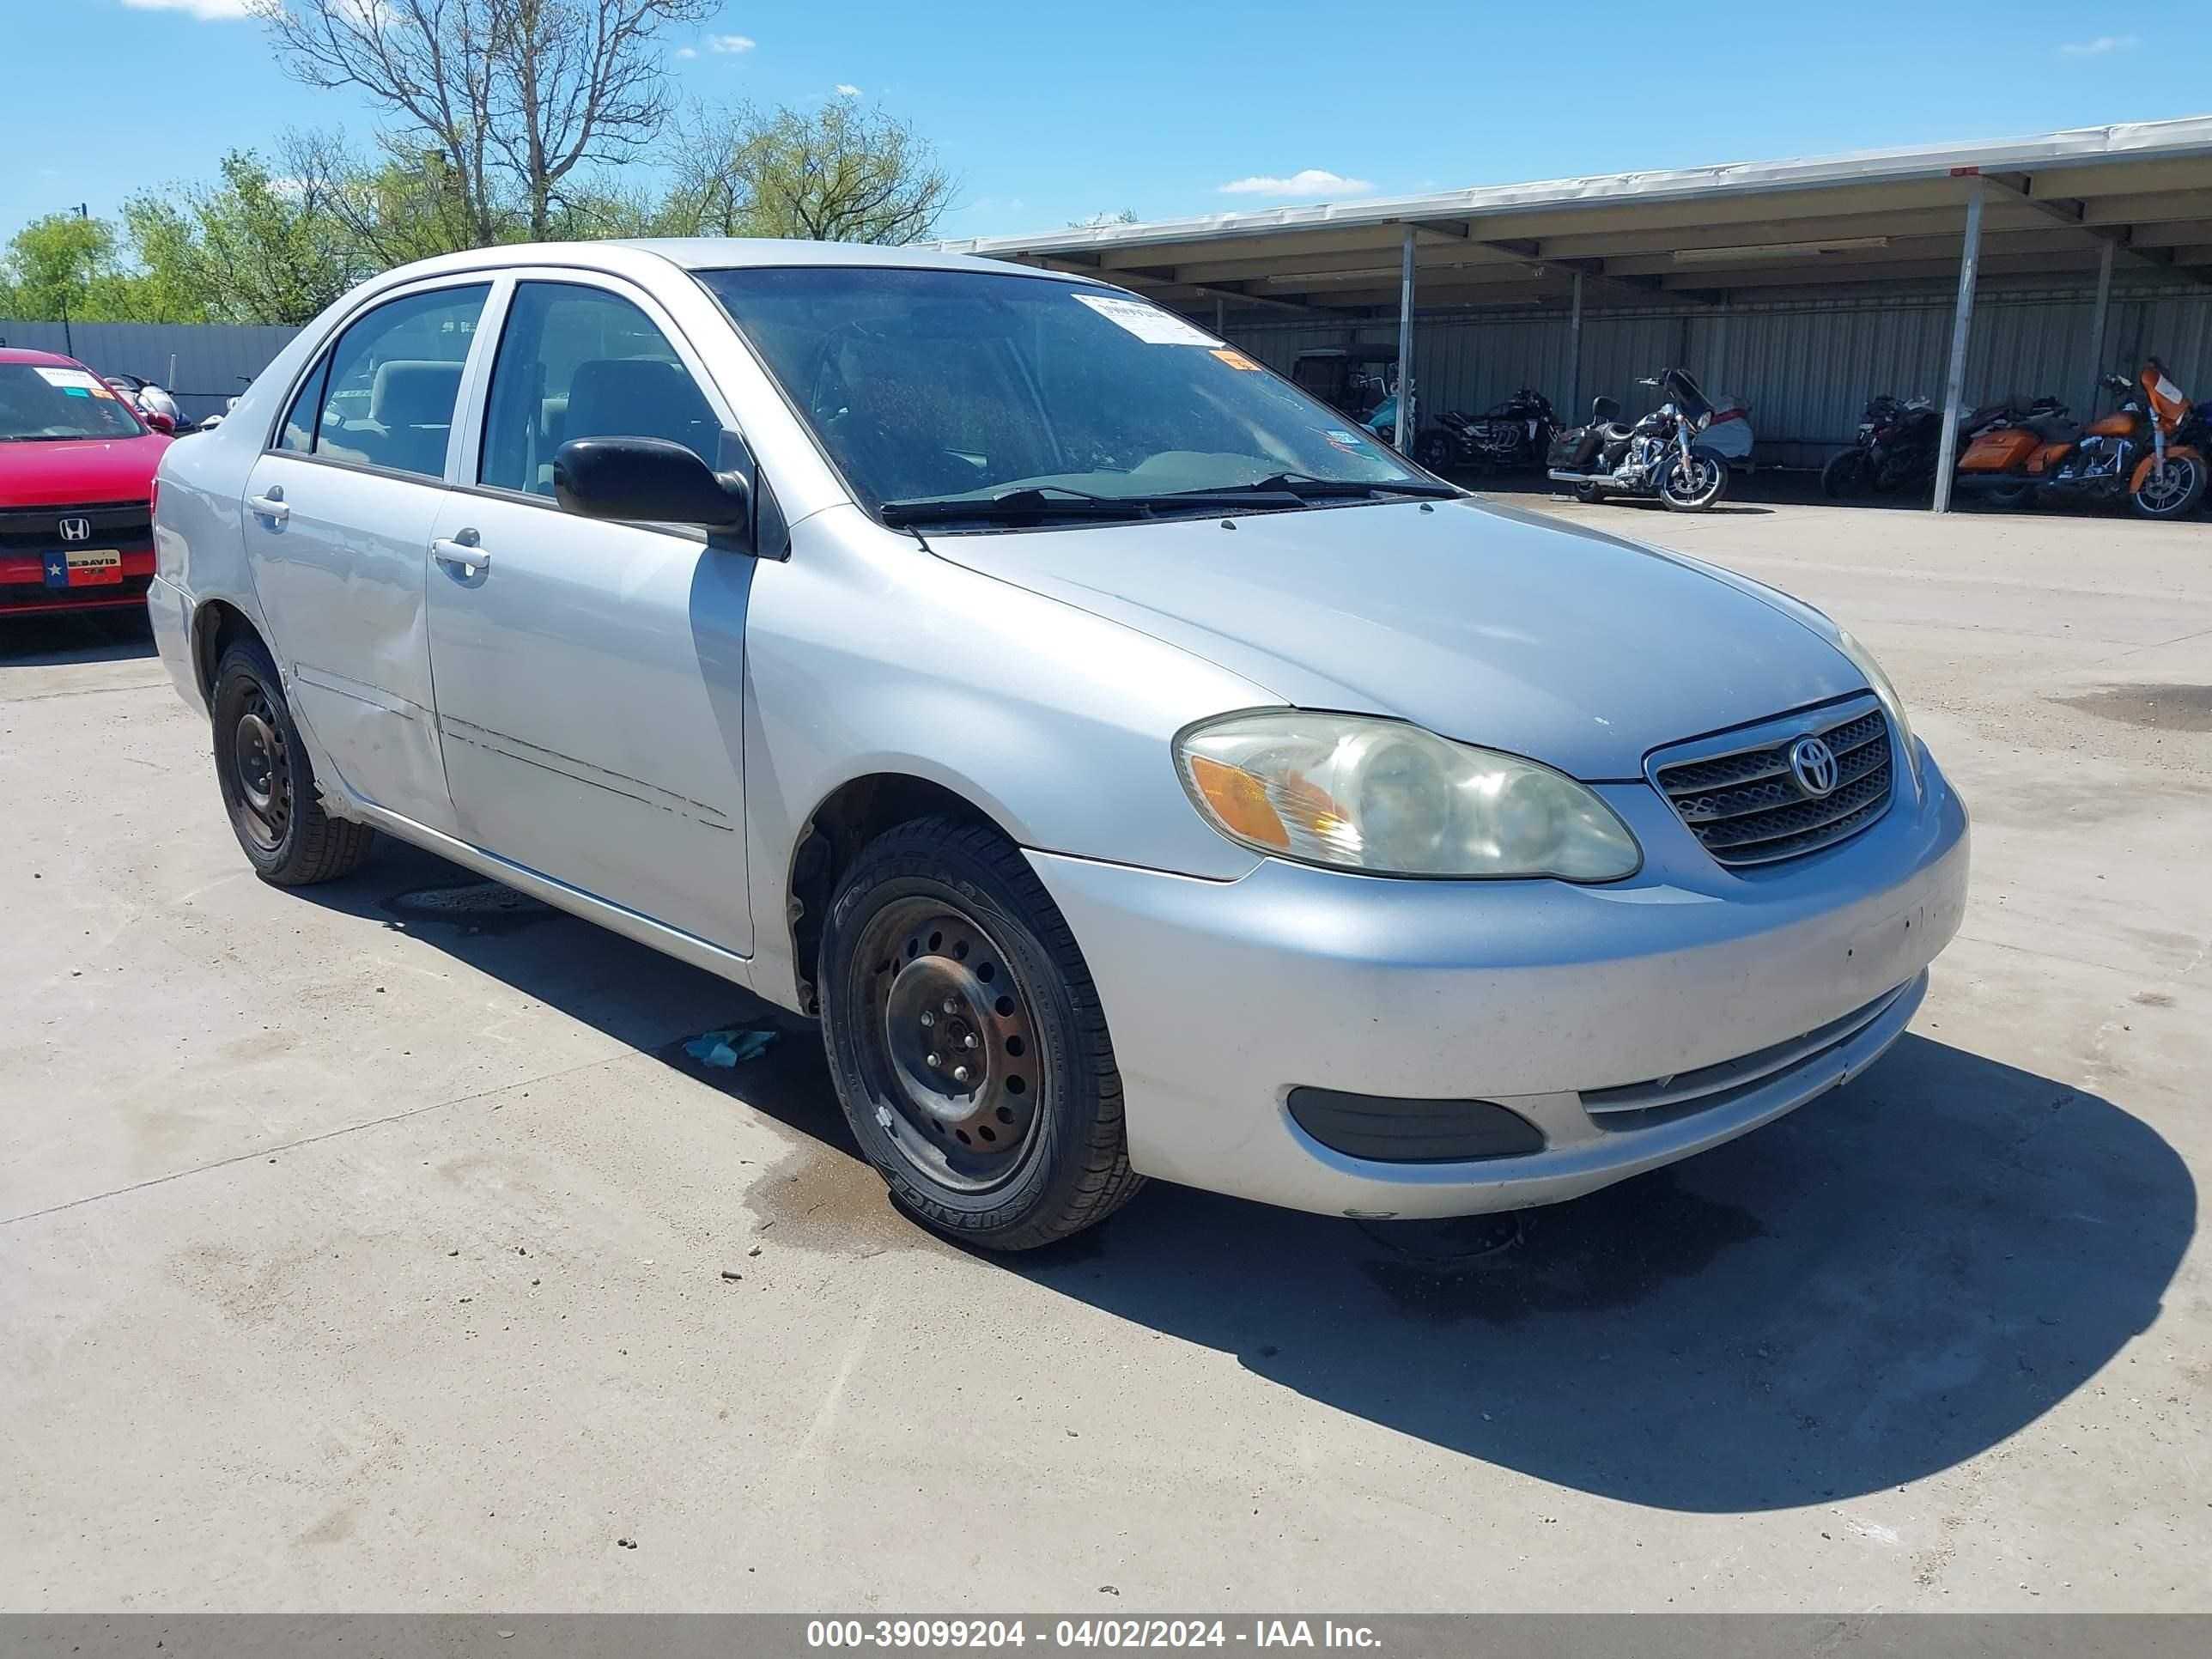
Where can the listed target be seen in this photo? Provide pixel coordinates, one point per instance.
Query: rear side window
(388, 392)
(581, 362)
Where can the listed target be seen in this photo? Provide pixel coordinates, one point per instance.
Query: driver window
(581, 362)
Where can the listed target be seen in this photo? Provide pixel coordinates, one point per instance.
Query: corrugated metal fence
(213, 361)
(1806, 368)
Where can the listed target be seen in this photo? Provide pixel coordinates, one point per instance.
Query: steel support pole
(1572, 412)
(1406, 344)
(2096, 364)
(1954, 377)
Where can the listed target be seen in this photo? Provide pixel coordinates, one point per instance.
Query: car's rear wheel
(268, 784)
(967, 1043)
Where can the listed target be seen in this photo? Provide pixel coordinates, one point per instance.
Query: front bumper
(1222, 997)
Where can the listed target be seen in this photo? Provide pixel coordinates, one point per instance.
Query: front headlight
(1360, 793)
(1885, 693)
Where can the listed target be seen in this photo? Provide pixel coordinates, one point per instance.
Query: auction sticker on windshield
(1148, 323)
(77, 382)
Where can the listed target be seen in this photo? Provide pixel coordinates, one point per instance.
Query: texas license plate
(84, 566)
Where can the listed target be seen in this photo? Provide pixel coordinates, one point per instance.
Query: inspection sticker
(1236, 359)
(1148, 323)
(81, 381)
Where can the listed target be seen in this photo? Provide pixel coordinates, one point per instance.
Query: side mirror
(158, 421)
(649, 480)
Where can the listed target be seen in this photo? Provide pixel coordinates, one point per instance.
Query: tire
(2011, 497)
(1589, 494)
(940, 942)
(1846, 475)
(1435, 450)
(2174, 493)
(1697, 494)
(267, 782)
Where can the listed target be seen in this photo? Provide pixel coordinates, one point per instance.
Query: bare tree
(840, 174)
(519, 91)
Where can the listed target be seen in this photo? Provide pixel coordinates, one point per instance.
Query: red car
(77, 488)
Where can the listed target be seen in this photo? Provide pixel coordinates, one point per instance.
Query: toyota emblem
(1813, 763)
(76, 530)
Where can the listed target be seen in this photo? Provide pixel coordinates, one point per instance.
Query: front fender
(2144, 465)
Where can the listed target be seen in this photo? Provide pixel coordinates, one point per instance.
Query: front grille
(114, 524)
(1746, 806)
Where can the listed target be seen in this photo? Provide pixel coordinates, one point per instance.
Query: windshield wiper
(1307, 487)
(1057, 501)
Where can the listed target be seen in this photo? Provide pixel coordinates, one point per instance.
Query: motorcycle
(2151, 449)
(1895, 450)
(1514, 435)
(1382, 421)
(1679, 453)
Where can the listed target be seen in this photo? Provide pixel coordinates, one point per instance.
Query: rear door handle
(462, 550)
(270, 506)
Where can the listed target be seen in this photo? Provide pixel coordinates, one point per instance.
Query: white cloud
(2103, 45)
(847, 89)
(686, 51)
(727, 43)
(207, 11)
(1307, 181)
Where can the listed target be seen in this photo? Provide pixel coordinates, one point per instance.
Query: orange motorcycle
(2150, 449)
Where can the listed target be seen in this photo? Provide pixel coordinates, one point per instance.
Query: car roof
(704, 253)
(29, 355)
(727, 252)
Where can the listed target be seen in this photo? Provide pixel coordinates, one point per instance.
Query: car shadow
(39, 641)
(1890, 1281)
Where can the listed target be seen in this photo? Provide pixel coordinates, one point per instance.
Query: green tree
(843, 172)
(68, 266)
(254, 248)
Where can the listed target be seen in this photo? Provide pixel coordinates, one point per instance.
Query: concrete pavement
(366, 1247)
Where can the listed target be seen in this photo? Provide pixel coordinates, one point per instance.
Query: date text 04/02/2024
(1086, 1632)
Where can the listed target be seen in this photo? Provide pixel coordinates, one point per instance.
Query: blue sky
(1050, 111)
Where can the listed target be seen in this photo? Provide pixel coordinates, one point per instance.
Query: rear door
(590, 675)
(339, 512)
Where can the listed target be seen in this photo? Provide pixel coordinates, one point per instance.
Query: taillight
(153, 499)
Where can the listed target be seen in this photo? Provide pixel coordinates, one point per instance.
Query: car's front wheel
(967, 1043)
(268, 784)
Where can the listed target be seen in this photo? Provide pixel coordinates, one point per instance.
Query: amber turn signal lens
(1239, 800)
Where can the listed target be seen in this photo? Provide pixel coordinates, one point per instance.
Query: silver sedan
(1138, 770)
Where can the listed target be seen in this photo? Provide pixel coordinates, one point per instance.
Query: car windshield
(933, 388)
(45, 402)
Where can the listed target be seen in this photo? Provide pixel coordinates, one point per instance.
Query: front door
(339, 513)
(590, 675)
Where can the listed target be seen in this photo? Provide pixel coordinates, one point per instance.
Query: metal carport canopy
(2064, 204)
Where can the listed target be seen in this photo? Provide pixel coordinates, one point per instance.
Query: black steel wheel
(966, 1040)
(267, 782)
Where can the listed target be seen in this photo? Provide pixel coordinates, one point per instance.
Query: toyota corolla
(1137, 770)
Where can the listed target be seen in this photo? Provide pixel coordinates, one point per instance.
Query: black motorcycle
(1895, 450)
(1666, 453)
(1514, 436)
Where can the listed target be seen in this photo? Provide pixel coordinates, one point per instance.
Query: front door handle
(270, 506)
(463, 550)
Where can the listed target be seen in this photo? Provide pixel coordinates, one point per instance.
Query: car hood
(1480, 623)
(79, 472)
